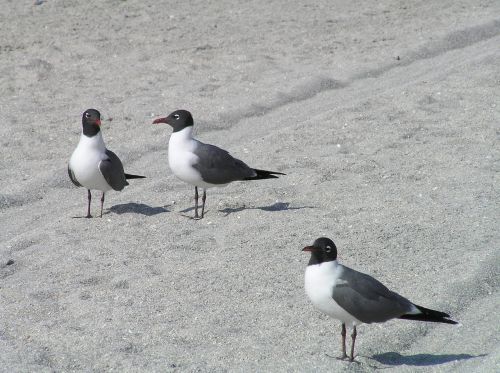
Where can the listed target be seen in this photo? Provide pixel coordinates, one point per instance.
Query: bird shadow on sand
(137, 208)
(185, 211)
(420, 360)
(278, 206)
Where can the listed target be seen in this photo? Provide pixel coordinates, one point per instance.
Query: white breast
(181, 158)
(84, 162)
(320, 280)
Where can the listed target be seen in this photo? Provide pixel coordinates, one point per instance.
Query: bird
(355, 298)
(204, 165)
(94, 167)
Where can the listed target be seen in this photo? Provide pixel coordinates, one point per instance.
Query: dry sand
(384, 115)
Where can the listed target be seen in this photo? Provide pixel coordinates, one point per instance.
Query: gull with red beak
(94, 167)
(355, 298)
(204, 165)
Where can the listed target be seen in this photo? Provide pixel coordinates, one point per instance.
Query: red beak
(309, 248)
(98, 122)
(160, 120)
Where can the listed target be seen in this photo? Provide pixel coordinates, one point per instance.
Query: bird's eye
(176, 116)
(87, 115)
(328, 249)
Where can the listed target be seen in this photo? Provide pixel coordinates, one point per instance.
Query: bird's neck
(314, 260)
(96, 142)
(326, 270)
(184, 136)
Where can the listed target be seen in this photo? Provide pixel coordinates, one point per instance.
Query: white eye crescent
(176, 116)
(328, 249)
(87, 115)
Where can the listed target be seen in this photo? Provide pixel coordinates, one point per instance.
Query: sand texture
(384, 116)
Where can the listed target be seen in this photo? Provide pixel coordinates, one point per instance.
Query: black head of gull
(91, 122)
(178, 119)
(322, 250)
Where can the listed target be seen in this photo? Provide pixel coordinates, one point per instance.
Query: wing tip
(428, 315)
(130, 176)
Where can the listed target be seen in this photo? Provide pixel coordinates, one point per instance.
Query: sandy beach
(384, 116)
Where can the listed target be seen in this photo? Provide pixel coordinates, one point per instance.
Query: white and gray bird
(355, 298)
(94, 167)
(203, 165)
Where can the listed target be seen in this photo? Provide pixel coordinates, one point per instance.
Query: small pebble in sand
(10, 262)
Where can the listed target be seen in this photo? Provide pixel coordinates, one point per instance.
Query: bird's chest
(181, 159)
(319, 284)
(320, 281)
(85, 166)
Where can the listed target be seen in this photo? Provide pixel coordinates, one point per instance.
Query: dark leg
(196, 203)
(203, 199)
(353, 336)
(102, 202)
(343, 333)
(89, 197)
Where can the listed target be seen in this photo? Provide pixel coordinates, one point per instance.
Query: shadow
(189, 209)
(420, 360)
(344, 359)
(137, 208)
(278, 206)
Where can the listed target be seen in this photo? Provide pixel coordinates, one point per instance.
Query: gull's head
(91, 122)
(322, 250)
(178, 119)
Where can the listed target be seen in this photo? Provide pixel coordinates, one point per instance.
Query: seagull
(354, 297)
(203, 165)
(91, 165)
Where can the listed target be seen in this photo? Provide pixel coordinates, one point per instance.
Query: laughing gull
(92, 166)
(354, 297)
(203, 165)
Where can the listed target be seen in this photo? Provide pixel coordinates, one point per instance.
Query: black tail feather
(429, 316)
(263, 174)
(129, 176)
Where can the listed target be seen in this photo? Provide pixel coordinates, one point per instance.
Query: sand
(384, 116)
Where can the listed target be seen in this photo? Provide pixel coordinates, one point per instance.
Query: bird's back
(217, 166)
(368, 299)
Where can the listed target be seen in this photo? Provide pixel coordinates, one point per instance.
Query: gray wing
(367, 299)
(112, 170)
(72, 177)
(217, 166)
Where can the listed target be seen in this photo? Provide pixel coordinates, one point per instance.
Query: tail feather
(129, 176)
(263, 174)
(429, 316)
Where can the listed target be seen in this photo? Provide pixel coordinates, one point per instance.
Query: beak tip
(160, 120)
